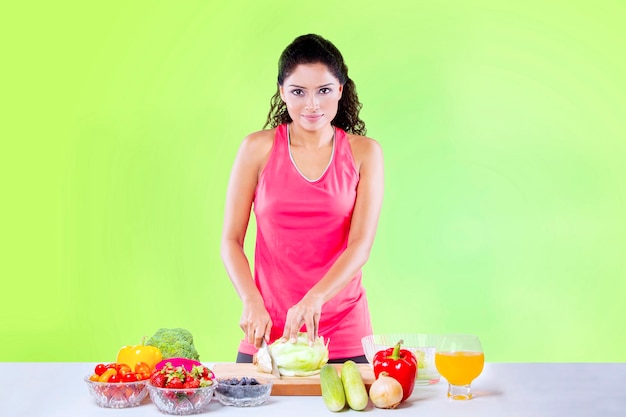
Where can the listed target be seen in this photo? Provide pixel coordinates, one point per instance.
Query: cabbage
(300, 359)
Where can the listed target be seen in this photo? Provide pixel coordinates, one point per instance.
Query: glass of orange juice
(459, 359)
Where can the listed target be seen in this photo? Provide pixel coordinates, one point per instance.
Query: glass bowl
(421, 344)
(243, 391)
(183, 401)
(117, 394)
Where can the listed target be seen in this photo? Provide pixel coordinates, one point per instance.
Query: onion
(386, 391)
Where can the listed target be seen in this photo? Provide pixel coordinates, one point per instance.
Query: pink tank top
(302, 228)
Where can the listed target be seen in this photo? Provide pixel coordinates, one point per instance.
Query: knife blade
(275, 370)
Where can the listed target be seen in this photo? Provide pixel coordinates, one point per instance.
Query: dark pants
(245, 358)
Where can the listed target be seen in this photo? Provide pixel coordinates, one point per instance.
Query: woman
(316, 184)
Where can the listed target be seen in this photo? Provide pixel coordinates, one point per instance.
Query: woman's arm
(368, 157)
(251, 157)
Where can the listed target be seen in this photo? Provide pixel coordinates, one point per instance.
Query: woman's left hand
(306, 312)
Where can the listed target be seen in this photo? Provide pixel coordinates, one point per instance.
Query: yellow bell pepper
(131, 355)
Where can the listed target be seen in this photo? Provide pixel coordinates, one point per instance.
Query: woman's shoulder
(361, 140)
(258, 143)
(260, 137)
(363, 147)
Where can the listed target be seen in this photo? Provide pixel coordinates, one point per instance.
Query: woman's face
(311, 94)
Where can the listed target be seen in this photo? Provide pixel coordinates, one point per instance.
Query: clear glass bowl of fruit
(116, 385)
(117, 394)
(243, 391)
(181, 391)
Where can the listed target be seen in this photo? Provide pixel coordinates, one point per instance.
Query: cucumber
(332, 388)
(353, 386)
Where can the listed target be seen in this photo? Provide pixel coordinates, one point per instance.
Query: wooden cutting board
(286, 385)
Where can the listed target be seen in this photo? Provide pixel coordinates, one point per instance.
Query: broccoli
(174, 343)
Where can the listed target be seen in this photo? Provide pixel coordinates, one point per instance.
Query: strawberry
(171, 395)
(158, 379)
(174, 382)
(192, 383)
(202, 372)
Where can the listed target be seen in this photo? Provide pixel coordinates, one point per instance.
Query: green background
(504, 138)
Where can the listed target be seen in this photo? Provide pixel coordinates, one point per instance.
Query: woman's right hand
(256, 323)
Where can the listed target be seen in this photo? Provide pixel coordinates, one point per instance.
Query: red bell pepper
(401, 364)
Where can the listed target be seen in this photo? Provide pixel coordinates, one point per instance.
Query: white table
(503, 390)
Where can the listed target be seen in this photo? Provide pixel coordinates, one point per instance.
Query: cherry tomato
(115, 378)
(100, 368)
(129, 377)
(94, 377)
(124, 369)
(111, 365)
(142, 370)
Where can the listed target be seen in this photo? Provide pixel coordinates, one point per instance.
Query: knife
(275, 370)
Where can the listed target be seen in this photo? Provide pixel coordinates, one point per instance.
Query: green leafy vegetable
(300, 359)
(174, 343)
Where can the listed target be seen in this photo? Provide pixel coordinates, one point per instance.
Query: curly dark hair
(313, 49)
